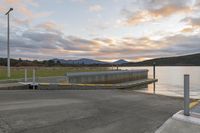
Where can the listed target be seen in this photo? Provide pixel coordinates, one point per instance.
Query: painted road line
(193, 104)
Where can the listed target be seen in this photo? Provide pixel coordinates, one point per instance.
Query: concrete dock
(107, 76)
(84, 111)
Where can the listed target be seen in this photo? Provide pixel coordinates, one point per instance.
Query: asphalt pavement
(84, 111)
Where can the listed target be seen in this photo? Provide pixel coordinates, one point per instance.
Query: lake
(170, 80)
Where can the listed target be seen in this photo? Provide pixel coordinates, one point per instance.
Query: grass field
(18, 72)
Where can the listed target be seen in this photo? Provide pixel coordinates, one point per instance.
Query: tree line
(19, 62)
(46, 63)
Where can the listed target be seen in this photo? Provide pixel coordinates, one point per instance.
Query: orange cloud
(13, 1)
(24, 10)
(50, 26)
(2, 9)
(138, 18)
(21, 7)
(169, 10)
(187, 30)
(155, 14)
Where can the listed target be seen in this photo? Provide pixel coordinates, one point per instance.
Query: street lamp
(8, 43)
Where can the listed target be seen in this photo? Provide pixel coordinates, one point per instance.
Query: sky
(106, 30)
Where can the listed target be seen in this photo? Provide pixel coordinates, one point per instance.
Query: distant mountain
(86, 61)
(56, 60)
(185, 60)
(83, 61)
(120, 62)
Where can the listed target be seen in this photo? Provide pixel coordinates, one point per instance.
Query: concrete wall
(107, 76)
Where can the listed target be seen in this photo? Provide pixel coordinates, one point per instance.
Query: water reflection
(170, 80)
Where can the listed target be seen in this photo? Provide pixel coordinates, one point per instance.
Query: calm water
(170, 80)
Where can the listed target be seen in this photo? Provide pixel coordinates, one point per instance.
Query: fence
(19, 72)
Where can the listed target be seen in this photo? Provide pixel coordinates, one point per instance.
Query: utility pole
(8, 42)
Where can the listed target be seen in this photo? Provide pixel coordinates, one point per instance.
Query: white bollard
(186, 95)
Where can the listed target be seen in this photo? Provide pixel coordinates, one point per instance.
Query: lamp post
(8, 43)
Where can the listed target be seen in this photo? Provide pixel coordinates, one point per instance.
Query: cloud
(95, 8)
(19, 6)
(2, 9)
(47, 39)
(134, 49)
(192, 23)
(169, 10)
(155, 10)
(37, 44)
(187, 30)
(22, 22)
(15, 2)
(47, 36)
(180, 44)
(22, 8)
(50, 26)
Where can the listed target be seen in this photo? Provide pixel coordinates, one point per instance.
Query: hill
(186, 60)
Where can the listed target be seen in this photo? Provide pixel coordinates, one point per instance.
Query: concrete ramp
(123, 85)
(176, 126)
(181, 124)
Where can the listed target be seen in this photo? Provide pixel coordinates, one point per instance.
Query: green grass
(18, 72)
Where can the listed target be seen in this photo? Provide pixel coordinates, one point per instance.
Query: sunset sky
(101, 29)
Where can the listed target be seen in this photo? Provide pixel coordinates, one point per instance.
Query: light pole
(8, 43)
